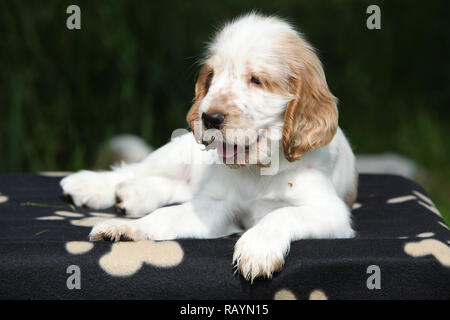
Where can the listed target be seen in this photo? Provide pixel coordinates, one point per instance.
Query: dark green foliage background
(132, 66)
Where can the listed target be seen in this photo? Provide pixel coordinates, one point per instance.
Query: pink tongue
(226, 150)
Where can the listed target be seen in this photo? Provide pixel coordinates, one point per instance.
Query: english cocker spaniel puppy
(265, 156)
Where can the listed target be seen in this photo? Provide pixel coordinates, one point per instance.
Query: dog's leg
(96, 189)
(140, 196)
(313, 210)
(193, 219)
(261, 250)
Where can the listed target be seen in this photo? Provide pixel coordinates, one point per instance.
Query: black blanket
(401, 251)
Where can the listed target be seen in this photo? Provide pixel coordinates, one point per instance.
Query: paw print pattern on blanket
(356, 206)
(286, 294)
(126, 258)
(317, 295)
(79, 247)
(3, 198)
(422, 199)
(443, 225)
(80, 219)
(438, 249)
(132, 262)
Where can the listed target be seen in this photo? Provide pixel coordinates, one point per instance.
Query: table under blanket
(401, 252)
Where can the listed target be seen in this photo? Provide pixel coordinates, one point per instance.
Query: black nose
(213, 120)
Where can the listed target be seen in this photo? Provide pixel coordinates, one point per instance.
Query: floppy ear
(201, 89)
(311, 118)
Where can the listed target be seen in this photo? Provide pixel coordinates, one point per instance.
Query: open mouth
(226, 150)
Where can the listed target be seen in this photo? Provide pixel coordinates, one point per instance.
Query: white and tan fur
(308, 197)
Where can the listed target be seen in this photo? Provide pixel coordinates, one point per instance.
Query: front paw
(115, 230)
(135, 198)
(258, 254)
(89, 188)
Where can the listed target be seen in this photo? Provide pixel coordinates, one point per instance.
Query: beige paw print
(443, 225)
(422, 199)
(126, 258)
(401, 199)
(3, 198)
(284, 294)
(356, 205)
(436, 248)
(79, 247)
(425, 235)
(318, 295)
(80, 219)
(54, 173)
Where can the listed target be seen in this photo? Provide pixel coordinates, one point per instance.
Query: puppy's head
(261, 82)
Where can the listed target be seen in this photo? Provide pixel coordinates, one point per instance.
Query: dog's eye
(255, 81)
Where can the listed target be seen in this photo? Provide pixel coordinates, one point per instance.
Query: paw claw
(120, 210)
(131, 198)
(256, 256)
(124, 237)
(68, 197)
(114, 230)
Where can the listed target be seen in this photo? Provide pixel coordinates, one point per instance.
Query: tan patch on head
(284, 294)
(222, 102)
(290, 184)
(79, 247)
(201, 89)
(235, 121)
(436, 248)
(126, 258)
(69, 214)
(318, 295)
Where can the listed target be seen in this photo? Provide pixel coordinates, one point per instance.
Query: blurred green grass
(131, 68)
